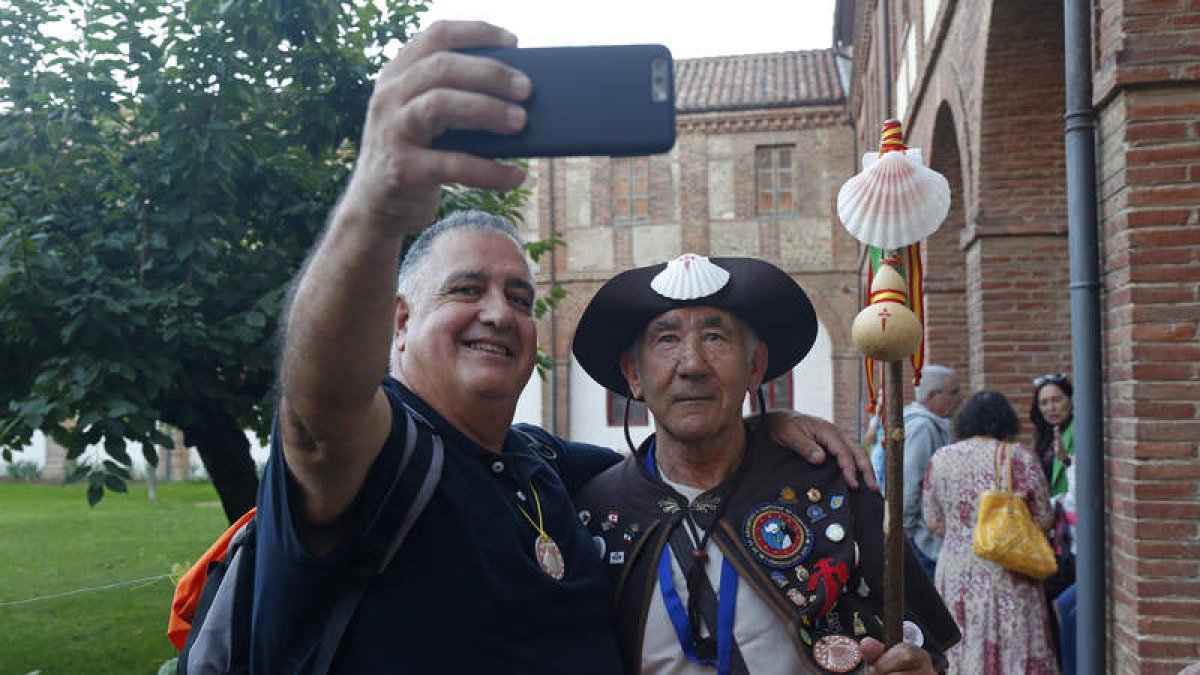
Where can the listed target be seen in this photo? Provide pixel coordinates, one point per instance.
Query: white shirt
(767, 643)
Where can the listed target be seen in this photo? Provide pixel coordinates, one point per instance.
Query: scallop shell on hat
(895, 201)
(688, 277)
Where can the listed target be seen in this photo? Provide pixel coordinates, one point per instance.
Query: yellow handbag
(1005, 532)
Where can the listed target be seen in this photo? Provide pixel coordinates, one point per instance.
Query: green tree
(163, 173)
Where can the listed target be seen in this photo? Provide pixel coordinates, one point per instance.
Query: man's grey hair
(476, 221)
(934, 378)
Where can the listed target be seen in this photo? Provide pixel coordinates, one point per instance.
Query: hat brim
(759, 293)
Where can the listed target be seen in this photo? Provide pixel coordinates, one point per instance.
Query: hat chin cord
(628, 438)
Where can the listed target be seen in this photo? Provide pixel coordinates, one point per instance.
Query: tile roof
(746, 81)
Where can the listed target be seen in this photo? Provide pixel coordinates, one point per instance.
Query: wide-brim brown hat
(757, 292)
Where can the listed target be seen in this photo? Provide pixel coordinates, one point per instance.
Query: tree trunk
(152, 474)
(225, 451)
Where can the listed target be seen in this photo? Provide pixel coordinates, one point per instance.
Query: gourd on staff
(890, 206)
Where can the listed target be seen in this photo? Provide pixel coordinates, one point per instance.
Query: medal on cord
(545, 551)
(726, 602)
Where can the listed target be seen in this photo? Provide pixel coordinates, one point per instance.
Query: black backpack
(219, 639)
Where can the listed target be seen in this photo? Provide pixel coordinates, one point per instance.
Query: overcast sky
(690, 28)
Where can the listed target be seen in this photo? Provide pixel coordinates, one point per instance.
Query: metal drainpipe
(852, 122)
(886, 58)
(553, 315)
(1082, 236)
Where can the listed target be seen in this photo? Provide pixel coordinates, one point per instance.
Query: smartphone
(601, 100)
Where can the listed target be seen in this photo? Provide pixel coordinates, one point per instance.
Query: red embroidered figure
(833, 576)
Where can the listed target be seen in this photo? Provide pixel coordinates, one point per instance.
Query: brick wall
(993, 73)
(945, 264)
(1148, 94)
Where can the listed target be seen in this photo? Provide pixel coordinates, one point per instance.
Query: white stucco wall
(529, 406)
(813, 378)
(589, 412)
(36, 452)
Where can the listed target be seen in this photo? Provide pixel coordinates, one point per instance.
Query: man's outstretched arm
(340, 322)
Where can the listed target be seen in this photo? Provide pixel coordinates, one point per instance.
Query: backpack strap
(379, 557)
(551, 450)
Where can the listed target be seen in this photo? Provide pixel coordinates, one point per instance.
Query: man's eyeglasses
(1052, 378)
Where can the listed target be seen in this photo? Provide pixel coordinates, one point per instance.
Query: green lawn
(51, 543)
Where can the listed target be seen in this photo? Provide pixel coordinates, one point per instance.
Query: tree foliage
(164, 170)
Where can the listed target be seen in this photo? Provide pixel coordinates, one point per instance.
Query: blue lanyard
(726, 602)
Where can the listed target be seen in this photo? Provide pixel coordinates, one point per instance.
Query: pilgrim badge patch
(776, 536)
(610, 520)
(828, 575)
(816, 513)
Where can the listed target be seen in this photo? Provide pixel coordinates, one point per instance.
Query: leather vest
(811, 548)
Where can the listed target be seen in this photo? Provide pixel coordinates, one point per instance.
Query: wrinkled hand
(812, 437)
(903, 659)
(426, 89)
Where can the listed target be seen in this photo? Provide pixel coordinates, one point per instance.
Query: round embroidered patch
(776, 536)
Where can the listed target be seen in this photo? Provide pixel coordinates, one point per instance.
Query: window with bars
(616, 411)
(777, 392)
(776, 179)
(631, 188)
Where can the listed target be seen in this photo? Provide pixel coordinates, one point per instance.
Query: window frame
(630, 184)
(781, 179)
(769, 393)
(614, 414)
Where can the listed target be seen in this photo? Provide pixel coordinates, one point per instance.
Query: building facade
(763, 146)
(980, 86)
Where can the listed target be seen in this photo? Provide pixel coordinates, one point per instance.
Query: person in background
(1003, 616)
(872, 442)
(1052, 414)
(926, 428)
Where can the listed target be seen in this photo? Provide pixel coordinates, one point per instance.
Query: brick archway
(945, 265)
(1015, 244)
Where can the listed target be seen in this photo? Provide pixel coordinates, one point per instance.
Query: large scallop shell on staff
(895, 201)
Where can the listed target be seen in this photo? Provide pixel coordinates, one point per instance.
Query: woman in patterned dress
(1003, 615)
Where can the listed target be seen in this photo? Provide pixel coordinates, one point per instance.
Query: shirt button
(497, 466)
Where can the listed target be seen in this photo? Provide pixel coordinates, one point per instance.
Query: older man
(493, 572)
(728, 552)
(926, 429)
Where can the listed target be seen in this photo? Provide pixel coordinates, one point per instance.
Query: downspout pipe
(553, 234)
(859, 293)
(886, 60)
(1083, 239)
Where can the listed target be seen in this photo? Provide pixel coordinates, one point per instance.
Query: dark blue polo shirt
(464, 594)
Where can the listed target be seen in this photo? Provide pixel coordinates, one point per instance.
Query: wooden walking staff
(895, 202)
